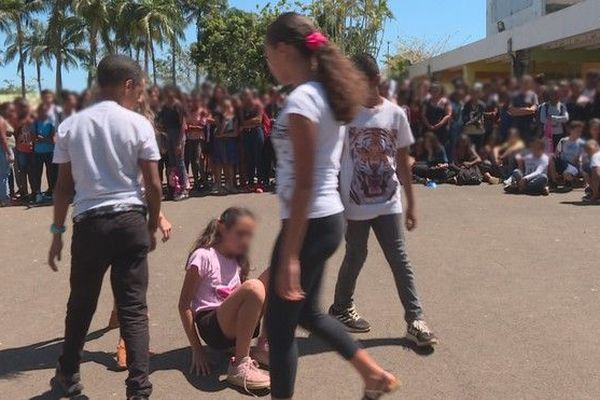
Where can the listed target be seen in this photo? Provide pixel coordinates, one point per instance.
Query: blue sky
(459, 22)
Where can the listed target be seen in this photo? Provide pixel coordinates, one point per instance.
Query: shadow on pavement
(312, 345)
(54, 394)
(580, 203)
(43, 355)
(180, 360)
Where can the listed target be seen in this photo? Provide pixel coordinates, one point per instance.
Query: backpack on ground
(469, 176)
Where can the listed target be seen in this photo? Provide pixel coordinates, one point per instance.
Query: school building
(560, 38)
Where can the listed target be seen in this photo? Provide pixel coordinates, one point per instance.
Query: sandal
(384, 386)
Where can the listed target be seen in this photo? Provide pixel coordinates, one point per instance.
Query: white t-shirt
(104, 143)
(368, 180)
(535, 166)
(595, 160)
(310, 101)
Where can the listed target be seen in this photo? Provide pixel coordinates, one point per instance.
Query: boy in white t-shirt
(374, 163)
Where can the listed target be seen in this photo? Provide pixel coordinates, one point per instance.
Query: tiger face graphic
(372, 151)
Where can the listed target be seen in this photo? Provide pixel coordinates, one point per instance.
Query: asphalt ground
(511, 284)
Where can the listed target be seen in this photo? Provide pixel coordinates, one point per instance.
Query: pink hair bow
(315, 40)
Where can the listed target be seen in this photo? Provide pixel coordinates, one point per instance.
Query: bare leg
(377, 380)
(239, 314)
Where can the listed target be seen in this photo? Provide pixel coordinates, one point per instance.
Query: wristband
(57, 230)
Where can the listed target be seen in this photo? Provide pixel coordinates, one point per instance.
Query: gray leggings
(390, 235)
(323, 237)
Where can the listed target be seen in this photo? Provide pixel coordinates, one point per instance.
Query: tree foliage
(411, 51)
(230, 45)
(230, 49)
(356, 26)
(229, 41)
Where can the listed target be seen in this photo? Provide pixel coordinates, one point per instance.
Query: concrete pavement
(510, 284)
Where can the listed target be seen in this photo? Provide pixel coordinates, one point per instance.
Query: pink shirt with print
(219, 277)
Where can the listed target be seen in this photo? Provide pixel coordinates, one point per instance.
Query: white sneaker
(247, 375)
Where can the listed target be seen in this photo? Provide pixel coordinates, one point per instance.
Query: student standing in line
(102, 152)
(553, 117)
(523, 108)
(7, 158)
(44, 130)
(436, 114)
(308, 139)
(172, 119)
(379, 135)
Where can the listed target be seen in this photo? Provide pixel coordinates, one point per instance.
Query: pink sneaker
(247, 375)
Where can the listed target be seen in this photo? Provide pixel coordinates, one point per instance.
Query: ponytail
(346, 87)
(210, 236)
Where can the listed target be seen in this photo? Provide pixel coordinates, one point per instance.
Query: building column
(469, 73)
(520, 63)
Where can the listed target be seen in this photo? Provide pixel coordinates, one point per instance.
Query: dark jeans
(535, 185)
(323, 236)
(269, 159)
(23, 166)
(192, 159)
(120, 241)
(253, 141)
(39, 161)
(390, 235)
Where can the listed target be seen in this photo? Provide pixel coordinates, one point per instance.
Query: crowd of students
(531, 134)
(213, 142)
(210, 142)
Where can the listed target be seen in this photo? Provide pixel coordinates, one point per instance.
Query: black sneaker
(69, 384)
(138, 398)
(419, 333)
(350, 318)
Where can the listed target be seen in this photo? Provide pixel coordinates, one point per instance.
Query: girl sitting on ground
(219, 304)
(466, 162)
(500, 161)
(433, 165)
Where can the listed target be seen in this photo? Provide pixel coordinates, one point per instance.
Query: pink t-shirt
(219, 277)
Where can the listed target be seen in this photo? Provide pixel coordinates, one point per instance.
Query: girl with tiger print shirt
(375, 166)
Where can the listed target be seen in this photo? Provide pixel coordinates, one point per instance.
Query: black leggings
(323, 237)
(192, 158)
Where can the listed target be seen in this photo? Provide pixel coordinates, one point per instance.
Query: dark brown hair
(210, 237)
(345, 86)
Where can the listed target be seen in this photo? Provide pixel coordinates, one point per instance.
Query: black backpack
(469, 176)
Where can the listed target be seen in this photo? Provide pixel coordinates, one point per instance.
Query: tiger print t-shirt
(368, 181)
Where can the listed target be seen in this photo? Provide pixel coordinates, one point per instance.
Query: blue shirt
(45, 129)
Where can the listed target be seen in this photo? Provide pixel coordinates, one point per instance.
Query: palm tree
(194, 12)
(33, 46)
(17, 14)
(157, 21)
(64, 39)
(96, 16)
